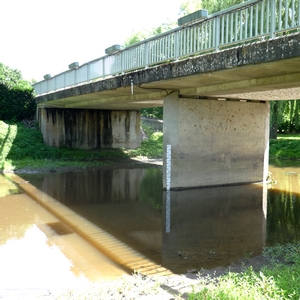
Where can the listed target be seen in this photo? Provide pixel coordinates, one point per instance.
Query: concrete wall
(215, 142)
(90, 129)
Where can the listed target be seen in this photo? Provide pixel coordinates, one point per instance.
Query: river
(44, 247)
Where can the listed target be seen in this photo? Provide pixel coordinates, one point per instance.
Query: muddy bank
(136, 287)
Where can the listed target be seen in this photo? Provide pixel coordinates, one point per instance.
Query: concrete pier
(90, 129)
(215, 142)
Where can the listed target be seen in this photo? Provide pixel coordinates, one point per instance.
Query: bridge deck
(266, 70)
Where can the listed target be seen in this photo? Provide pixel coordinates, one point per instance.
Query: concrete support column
(89, 129)
(215, 142)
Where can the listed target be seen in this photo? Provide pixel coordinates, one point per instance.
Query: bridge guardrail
(242, 23)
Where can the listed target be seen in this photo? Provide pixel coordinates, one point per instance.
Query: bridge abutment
(89, 129)
(215, 142)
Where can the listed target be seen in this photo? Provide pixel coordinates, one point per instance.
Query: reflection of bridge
(214, 78)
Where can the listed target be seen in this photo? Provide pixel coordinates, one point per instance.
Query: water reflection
(39, 253)
(213, 227)
(209, 227)
(124, 202)
(200, 228)
(283, 222)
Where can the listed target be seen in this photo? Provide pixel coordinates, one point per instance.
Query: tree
(216, 5)
(141, 35)
(189, 7)
(16, 96)
(211, 5)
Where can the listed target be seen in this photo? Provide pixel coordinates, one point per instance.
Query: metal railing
(240, 24)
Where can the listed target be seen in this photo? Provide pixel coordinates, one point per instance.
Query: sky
(41, 37)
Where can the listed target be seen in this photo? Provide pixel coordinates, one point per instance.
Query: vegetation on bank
(286, 146)
(277, 280)
(17, 99)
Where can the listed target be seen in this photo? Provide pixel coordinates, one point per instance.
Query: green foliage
(152, 147)
(289, 253)
(284, 116)
(246, 285)
(212, 6)
(285, 148)
(216, 5)
(275, 281)
(153, 112)
(141, 35)
(16, 96)
(136, 37)
(190, 6)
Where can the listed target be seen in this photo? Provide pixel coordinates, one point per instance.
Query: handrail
(242, 23)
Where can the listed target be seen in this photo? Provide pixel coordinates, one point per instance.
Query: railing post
(273, 19)
(176, 45)
(146, 54)
(88, 73)
(122, 61)
(103, 67)
(217, 33)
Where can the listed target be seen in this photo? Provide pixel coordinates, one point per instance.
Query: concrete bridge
(214, 76)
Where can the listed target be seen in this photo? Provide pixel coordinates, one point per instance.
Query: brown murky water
(92, 225)
(35, 253)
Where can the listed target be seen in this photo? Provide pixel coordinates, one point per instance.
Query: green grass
(279, 280)
(285, 147)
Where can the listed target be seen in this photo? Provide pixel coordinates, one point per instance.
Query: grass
(279, 280)
(22, 147)
(285, 147)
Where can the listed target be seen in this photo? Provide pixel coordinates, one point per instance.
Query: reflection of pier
(121, 185)
(208, 227)
(122, 202)
(213, 227)
(125, 256)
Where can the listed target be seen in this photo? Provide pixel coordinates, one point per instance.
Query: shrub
(16, 96)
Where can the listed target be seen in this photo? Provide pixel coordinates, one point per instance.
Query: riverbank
(273, 275)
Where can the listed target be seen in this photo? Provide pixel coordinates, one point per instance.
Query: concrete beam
(215, 142)
(263, 88)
